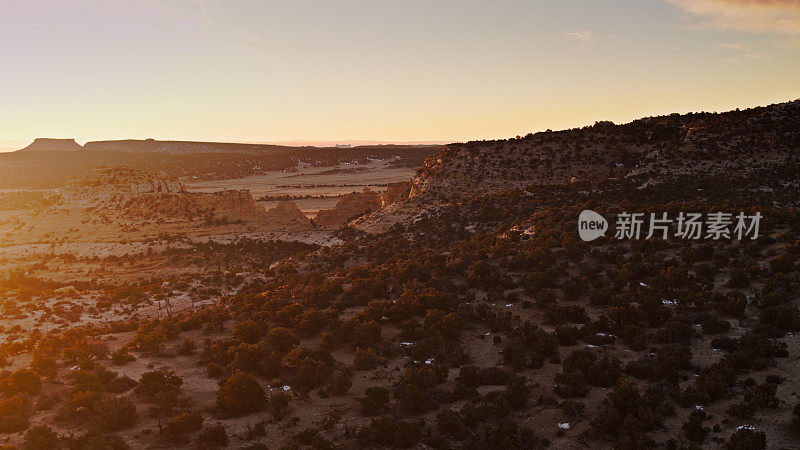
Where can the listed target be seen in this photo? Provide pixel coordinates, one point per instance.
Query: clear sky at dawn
(387, 70)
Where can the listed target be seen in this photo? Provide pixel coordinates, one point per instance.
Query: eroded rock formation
(138, 194)
(396, 191)
(349, 207)
(288, 212)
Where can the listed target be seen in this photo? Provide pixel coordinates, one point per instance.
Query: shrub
(278, 403)
(258, 358)
(375, 400)
(94, 440)
(339, 383)
(122, 357)
(796, 416)
(449, 423)
(478, 376)
(714, 325)
(390, 432)
(693, 427)
(43, 366)
(47, 401)
(573, 408)
(115, 414)
(424, 376)
(739, 278)
(187, 347)
(157, 382)
(782, 264)
(747, 439)
(517, 391)
(212, 437)
(249, 331)
(412, 399)
(506, 435)
(215, 370)
(13, 415)
(22, 381)
(622, 406)
(185, 423)
(364, 359)
(605, 372)
(307, 438)
(571, 385)
(80, 407)
(310, 368)
(40, 438)
(282, 339)
(241, 394)
(741, 410)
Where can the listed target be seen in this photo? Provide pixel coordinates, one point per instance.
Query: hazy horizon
(12, 146)
(382, 71)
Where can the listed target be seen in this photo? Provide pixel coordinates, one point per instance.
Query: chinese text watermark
(714, 225)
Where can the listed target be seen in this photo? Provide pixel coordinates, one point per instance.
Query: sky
(383, 70)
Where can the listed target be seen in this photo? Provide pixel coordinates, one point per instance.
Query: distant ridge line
(180, 147)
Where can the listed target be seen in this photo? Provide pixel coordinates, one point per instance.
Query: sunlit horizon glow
(389, 71)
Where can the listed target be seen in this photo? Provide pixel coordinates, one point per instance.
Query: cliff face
(289, 214)
(53, 145)
(231, 204)
(395, 192)
(349, 207)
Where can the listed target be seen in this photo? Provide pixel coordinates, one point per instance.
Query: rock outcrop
(396, 191)
(53, 145)
(349, 207)
(141, 194)
(123, 179)
(288, 213)
(230, 203)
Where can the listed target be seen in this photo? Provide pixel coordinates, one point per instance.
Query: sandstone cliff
(349, 207)
(289, 214)
(229, 203)
(395, 192)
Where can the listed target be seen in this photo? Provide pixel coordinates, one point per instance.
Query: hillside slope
(752, 153)
(737, 144)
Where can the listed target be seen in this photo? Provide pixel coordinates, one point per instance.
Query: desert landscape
(335, 225)
(347, 303)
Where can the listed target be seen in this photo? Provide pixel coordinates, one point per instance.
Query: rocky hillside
(759, 143)
(752, 153)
